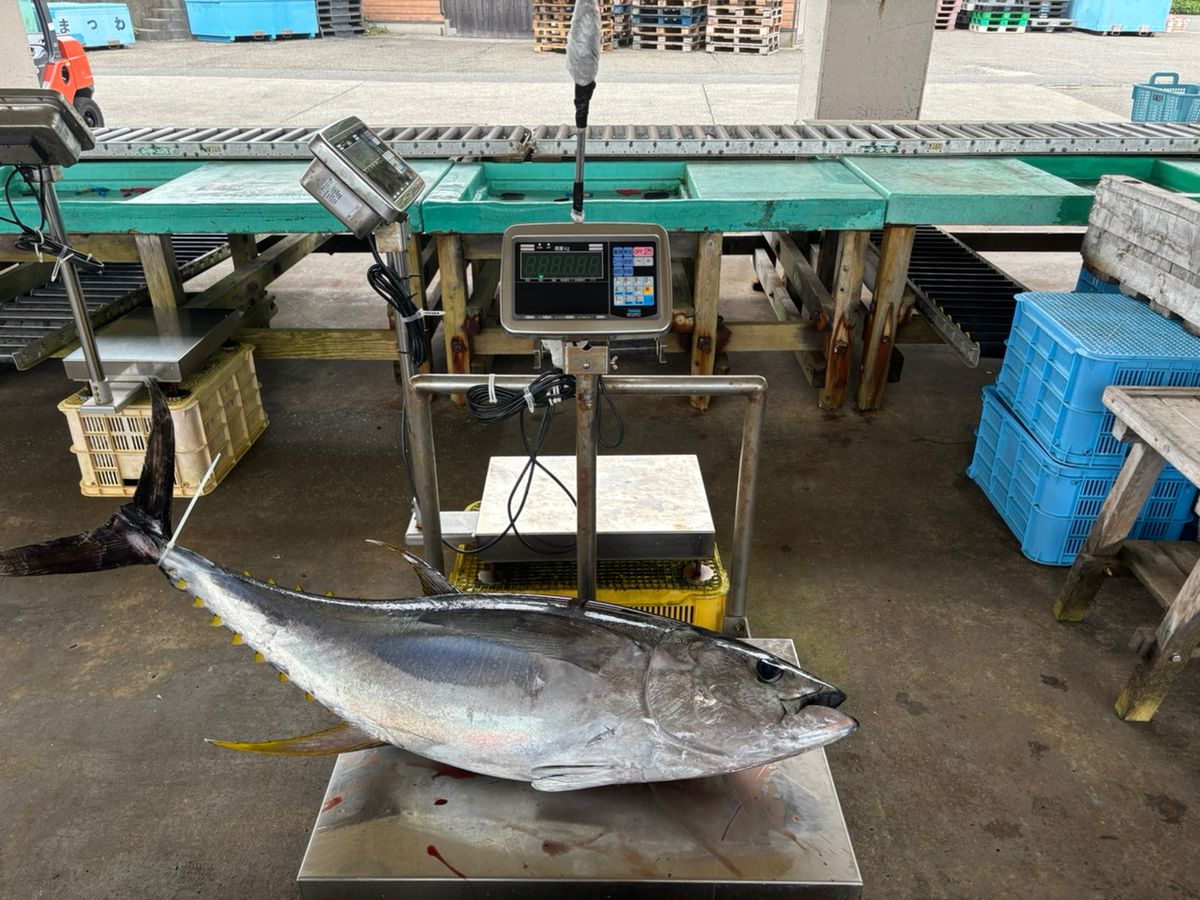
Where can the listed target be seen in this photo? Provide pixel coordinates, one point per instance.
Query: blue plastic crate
(1093, 284)
(1121, 16)
(94, 24)
(227, 20)
(1065, 349)
(1164, 99)
(1051, 507)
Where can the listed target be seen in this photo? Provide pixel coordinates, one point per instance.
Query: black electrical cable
(389, 285)
(607, 398)
(35, 240)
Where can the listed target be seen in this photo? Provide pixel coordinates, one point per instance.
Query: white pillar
(865, 59)
(16, 63)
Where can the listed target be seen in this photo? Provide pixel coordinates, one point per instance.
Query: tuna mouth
(831, 698)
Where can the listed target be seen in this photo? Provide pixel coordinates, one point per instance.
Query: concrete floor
(394, 79)
(989, 759)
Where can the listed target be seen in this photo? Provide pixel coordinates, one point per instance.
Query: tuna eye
(768, 672)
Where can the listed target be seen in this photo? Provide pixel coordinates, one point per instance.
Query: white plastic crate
(217, 409)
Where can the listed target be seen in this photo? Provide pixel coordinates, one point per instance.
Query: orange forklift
(61, 63)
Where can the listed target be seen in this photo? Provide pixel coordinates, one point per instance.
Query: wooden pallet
(998, 29)
(1051, 25)
(762, 49)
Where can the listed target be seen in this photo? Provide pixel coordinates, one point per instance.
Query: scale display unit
(394, 825)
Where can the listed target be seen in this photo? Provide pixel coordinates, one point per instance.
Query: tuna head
(726, 699)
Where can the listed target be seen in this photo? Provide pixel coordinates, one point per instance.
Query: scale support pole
(101, 390)
(418, 426)
(585, 485)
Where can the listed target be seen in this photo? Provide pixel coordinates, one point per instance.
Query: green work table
(972, 191)
(182, 198)
(486, 198)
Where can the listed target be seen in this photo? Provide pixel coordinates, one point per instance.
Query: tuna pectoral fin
(572, 777)
(343, 738)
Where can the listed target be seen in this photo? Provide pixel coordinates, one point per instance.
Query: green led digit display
(535, 266)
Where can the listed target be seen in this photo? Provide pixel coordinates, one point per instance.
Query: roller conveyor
(804, 139)
(35, 325)
(966, 299)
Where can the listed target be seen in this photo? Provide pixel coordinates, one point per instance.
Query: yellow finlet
(270, 581)
(182, 584)
(237, 640)
(198, 603)
(246, 573)
(299, 589)
(329, 593)
(309, 697)
(283, 679)
(215, 622)
(259, 658)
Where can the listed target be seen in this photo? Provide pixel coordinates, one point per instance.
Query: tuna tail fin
(135, 536)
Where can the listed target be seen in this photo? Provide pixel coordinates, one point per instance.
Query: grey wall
(16, 65)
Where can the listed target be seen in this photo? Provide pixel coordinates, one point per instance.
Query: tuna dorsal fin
(343, 738)
(433, 582)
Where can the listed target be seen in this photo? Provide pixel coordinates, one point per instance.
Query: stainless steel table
(395, 825)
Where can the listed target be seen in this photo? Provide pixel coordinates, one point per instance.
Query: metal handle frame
(419, 393)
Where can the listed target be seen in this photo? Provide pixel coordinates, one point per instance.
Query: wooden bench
(1163, 425)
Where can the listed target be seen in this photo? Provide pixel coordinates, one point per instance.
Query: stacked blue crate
(228, 20)
(94, 24)
(1045, 454)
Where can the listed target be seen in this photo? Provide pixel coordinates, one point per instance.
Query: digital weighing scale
(40, 133)
(394, 825)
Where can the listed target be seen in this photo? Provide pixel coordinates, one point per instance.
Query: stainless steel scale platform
(395, 825)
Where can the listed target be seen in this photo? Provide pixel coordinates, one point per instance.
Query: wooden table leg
(417, 286)
(157, 255)
(887, 300)
(1121, 509)
(847, 298)
(1178, 636)
(707, 296)
(454, 303)
(243, 248)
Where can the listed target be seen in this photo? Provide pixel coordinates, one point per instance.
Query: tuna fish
(552, 691)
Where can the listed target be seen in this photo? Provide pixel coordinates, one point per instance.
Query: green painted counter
(170, 197)
(486, 198)
(974, 191)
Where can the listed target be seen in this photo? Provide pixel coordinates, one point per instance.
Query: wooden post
(1178, 636)
(1121, 509)
(243, 248)
(847, 300)
(417, 286)
(706, 301)
(888, 298)
(157, 255)
(828, 250)
(454, 302)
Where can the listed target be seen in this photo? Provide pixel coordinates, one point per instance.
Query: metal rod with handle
(585, 487)
(752, 387)
(418, 423)
(101, 390)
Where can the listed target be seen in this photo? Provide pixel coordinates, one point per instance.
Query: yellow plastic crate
(655, 586)
(218, 409)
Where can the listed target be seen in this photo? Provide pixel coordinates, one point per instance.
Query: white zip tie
(492, 398)
(422, 314)
(212, 467)
(529, 401)
(66, 254)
